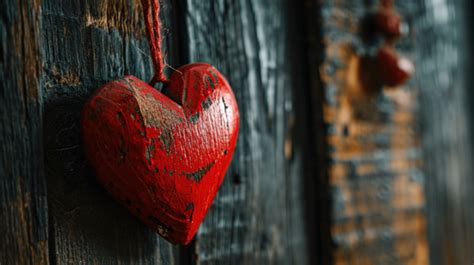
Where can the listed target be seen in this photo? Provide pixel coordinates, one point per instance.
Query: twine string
(151, 11)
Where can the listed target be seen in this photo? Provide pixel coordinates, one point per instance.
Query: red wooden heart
(163, 155)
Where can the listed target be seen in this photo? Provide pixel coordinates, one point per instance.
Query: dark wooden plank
(317, 189)
(447, 128)
(23, 208)
(374, 171)
(257, 217)
(85, 44)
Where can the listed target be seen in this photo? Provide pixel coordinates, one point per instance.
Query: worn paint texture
(163, 155)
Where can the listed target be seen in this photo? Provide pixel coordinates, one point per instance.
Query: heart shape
(163, 155)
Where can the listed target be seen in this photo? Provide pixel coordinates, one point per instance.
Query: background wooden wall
(374, 154)
(399, 170)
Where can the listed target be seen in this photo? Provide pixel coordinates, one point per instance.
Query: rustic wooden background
(319, 176)
(399, 175)
(374, 171)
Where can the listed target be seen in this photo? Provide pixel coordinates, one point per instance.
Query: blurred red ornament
(389, 23)
(392, 69)
(386, 3)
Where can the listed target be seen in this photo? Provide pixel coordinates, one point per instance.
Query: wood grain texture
(446, 117)
(375, 177)
(86, 44)
(257, 217)
(23, 209)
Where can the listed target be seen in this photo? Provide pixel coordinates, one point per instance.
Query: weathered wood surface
(23, 208)
(257, 217)
(375, 177)
(443, 71)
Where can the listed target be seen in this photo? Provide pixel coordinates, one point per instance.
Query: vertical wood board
(374, 171)
(23, 207)
(257, 217)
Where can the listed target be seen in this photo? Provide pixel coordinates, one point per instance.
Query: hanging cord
(153, 25)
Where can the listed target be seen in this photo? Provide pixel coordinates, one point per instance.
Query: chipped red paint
(163, 155)
(393, 70)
